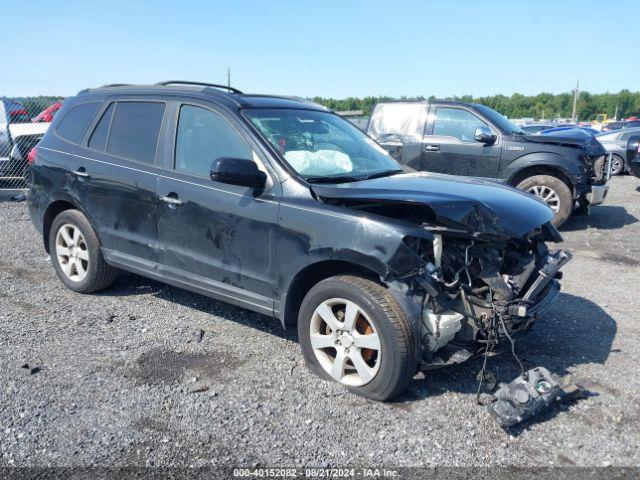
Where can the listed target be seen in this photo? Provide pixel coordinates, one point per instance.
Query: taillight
(31, 156)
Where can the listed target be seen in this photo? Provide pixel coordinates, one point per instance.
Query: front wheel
(554, 192)
(617, 165)
(353, 331)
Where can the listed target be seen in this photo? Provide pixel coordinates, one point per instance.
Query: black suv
(282, 207)
(471, 139)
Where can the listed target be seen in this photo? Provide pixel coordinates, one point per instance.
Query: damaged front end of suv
(482, 272)
(481, 292)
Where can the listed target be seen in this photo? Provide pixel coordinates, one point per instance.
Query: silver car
(615, 142)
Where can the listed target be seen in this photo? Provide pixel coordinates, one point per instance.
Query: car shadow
(128, 284)
(575, 332)
(604, 217)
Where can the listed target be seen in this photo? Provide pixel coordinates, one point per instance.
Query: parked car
(471, 139)
(633, 154)
(572, 132)
(620, 125)
(280, 206)
(615, 142)
(47, 114)
(17, 137)
(536, 127)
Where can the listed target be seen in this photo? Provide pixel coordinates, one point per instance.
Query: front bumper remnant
(598, 194)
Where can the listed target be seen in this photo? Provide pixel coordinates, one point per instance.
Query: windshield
(499, 120)
(321, 146)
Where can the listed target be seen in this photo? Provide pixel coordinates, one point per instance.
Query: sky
(328, 48)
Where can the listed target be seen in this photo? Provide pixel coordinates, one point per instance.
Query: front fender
(568, 166)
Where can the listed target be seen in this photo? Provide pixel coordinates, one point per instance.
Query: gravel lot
(121, 378)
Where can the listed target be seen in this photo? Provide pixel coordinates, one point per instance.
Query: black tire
(617, 159)
(565, 196)
(99, 275)
(397, 337)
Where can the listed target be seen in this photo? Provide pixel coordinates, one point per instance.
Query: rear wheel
(352, 331)
(75, 254)
(554, 192)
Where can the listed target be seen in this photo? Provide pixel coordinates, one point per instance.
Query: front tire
(554, 192)
(617, 165)
(353, 331)
(76, 256)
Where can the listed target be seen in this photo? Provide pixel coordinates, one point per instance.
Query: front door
(215, 236)
(448, 145)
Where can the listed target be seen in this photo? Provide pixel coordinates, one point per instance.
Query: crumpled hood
(590, 144)
(476, 206)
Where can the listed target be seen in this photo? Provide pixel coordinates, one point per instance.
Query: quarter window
(135, 129)
(202, 137)
(98, 140)
(75, 122)
(457, 123)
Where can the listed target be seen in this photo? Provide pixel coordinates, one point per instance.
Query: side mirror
(633, 147)
(238, 171)
(484, 135)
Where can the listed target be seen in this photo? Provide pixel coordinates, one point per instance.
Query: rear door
(114, 176)
(448, 145)
(215, 236)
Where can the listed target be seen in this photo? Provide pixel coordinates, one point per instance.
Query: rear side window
(135, 128)
(98, 140)
(75, 122)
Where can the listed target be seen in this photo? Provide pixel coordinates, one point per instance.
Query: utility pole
(228, 77)
(576, 93)
(615, 116)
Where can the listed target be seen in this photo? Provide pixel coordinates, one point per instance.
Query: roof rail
(203, 84)
(116, 85)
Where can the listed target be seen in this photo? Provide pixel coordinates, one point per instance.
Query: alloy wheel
(548, 195)
(345, 342)
(616, 165)
(72, 253)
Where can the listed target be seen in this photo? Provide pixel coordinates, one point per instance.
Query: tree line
(543, 105)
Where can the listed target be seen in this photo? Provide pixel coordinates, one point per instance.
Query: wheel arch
(313, 273)
(545, 169)
(54, 209)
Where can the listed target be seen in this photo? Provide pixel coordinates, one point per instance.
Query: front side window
(457, 123)
(202, 137)
(321, 146)
(75, 122)
(135, 128)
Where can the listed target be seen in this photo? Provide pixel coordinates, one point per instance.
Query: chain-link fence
(23, 122)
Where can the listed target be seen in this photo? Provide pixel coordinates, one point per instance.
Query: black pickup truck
(473, 140)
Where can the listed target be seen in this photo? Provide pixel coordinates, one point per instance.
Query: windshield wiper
(333, 179)
(383, 173)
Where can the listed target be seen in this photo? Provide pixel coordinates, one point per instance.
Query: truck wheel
(617, 165)
(554, 192)
(76, 256)
(352, 331)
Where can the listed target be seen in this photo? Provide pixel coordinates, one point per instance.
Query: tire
(545, 183)
(617, 165)
(390, 368)
(84, 270)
